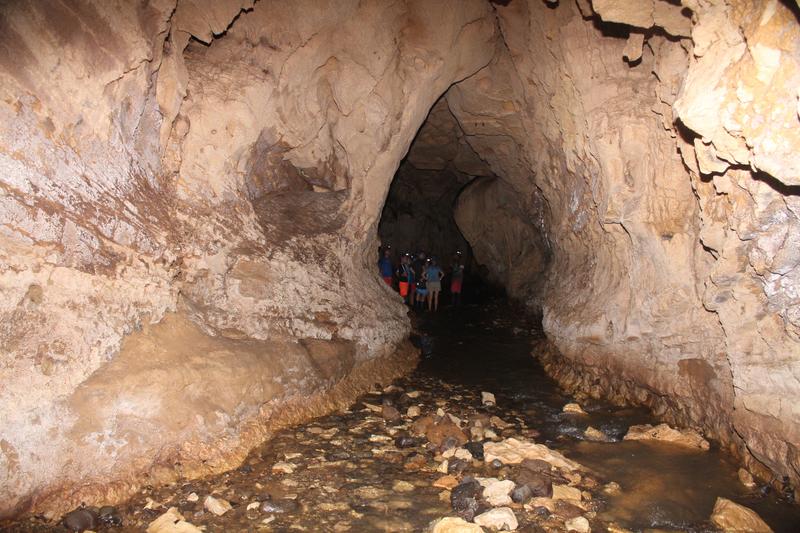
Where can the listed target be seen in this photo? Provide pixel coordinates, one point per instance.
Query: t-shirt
(385, 266)
(458, 272)
(433, 273)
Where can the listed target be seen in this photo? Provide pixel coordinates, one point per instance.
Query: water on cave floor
(345, 472)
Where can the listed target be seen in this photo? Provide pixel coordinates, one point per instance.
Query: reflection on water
(663, 485)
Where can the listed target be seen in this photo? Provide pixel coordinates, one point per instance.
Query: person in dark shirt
(385, 267)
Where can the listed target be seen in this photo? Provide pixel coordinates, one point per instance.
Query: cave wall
(190, 194)
(662, 139)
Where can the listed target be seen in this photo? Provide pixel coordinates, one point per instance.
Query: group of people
(419, 278)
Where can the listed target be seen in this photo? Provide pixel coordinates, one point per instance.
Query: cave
(194, 194)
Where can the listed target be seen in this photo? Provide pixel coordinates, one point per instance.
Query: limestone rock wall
(662, 140)
(206, 171)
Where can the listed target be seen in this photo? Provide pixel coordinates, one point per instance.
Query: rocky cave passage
(191, 193)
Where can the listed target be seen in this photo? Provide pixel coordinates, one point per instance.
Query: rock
(487, 398)
(172, 522)
(192, 497)
(284, 467)
(217, 506)
(279, 506)
(415, 462)
(579, 524)
(574, 408)
(413, 394)
(732, 517)
(496, 492)
(565, 492)
(402, 486)
(746, 478)
(437, 431)
(664, 433)
(446, 482)
(475, 449)
(498, 519)
(538, 485)
(390, 413)
(405, 441)
(465, 498)
(463, 454)
(521, 494)
(612, 488)
(499, 423)
(81, 519)
(110, 516)
(413, 411)
(454, 525)
(595, 435)
(476, 433)
(457, 466)
(513, 451)
(443, 467)
(374, 408)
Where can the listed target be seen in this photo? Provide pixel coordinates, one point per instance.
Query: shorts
(403, 287)
(434, 286)
(455, 286)
(388, 280)
(422, 292)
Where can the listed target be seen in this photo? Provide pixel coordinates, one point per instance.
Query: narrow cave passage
(192, 328)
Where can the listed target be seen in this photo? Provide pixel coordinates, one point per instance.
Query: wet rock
(595, 435)
(402, 486)
(284, 467)
(665, 433)
(405, 441)
(565, 492)
(732, 517)
(521, 494)
(574, 409)
(454, 525)
(216, 506)
(110, 516)
(81, 519)
(496, 492)
(172, 522)
(446, 482)
(579, 524)
(465, 499)
(513, 451)
(413, 411)
(415, 462)
(537, 484)
(476, 449)
(499, 519)
(612, 488)
(487, 398)
(391, 414)
(746, 478)
(457, 466)
(567, 509)
(279, 506)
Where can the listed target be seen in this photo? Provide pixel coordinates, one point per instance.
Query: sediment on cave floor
(192, 195)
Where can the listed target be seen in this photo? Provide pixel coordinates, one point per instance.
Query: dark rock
(540, 485)
(496, 463)
(81, 519)
(405, 441)
(521, 494)
(567, 511)
(535, 465)
(110, 516)
(476, 449)
(245, 469)
(456, 466)
(465, 499)
(448, 443)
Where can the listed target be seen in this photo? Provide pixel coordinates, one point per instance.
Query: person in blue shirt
(433, 278)
(385, 267)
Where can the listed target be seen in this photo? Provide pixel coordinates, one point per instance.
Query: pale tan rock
(573, 408)
(403, 486)
(565, 492)
(732, 517)
(487, 398)
(596, 435)
(172, 522)
(746, 478)
(446, 482)
(413, 411)
(454, 525)
(216, 506)
(496, 492)
(665, 433)
(579, 524)
(498, 519)
(513, 451)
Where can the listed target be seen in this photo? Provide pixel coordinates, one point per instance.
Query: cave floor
(363, 470)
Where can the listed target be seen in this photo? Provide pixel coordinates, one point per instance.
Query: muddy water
(663, 486)
(348, 472)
